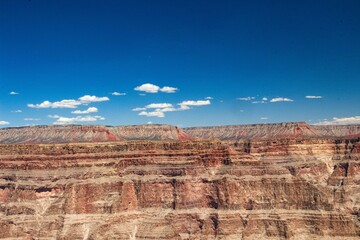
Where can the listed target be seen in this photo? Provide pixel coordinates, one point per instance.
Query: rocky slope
(284, 188)
(276, 130)
(71, 133)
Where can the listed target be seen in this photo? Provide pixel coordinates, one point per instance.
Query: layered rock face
(75, 134)
(207, 189)
(69, 134)
(276, 130)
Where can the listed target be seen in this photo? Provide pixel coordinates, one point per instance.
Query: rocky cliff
(281, 188)
(158, 132)
(73, 134)
(288, 130)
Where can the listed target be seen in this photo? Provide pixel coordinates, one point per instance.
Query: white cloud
(148, 87)
(264, 99)
(185, 105)
(167, 89)
(256, 102)
(89, 110)
(152, 114)
(61, 104)
(4, 123)
(89, 99)
(313, 97)
(142, 94)
(158, 109)
(69, 103)
(149, 122)
(341, 121)
(139, 109)
(78, 119)
(151, 88)
(281, 99)
(209, 98)
(246, 98)
(159, 105)
(264, 118)
(167, 109)
(32, 119)
(118, 94)
(13, 93)
(16, 111)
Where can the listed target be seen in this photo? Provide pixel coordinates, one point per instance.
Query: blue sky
(224, 62)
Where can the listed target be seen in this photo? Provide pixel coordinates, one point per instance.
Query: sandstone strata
(276, 130)
(74, 134)
(281, 188)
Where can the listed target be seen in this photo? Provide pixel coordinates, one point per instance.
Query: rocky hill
(276, 130)
(73, 134)
(281, 188)
(76, 134)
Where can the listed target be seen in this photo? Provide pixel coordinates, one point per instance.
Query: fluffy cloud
(246, 98)
(313, 97)
(118, 94)
(152, 114)
(167, 109)
(264, 99)
(186, 104)
(167, 89)
(4, 123)
(209, 98)
(281, 99)
(61, 104)
(89, 110)
(16, 111)
(89, 99)
(148, 87)
(78, 119)
(158, 109)
(159, 105)
(341, 121)
(13, 93)
(69, 103)
(139, 109)
(151, 88)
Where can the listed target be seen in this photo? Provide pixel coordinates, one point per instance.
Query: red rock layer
(72, 134)
(275, 130)
(259, 189)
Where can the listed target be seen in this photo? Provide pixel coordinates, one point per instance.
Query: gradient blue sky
(226, 50)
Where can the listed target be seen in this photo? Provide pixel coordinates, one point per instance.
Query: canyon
(261, 181)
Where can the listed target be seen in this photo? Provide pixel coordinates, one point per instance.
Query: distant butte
(94, 133)
(262, 181)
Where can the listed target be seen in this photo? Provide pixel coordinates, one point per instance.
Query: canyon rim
(271, 181)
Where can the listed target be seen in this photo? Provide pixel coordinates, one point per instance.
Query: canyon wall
(75, 133)
(284, 188)
(275, 130)
(159, 132)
